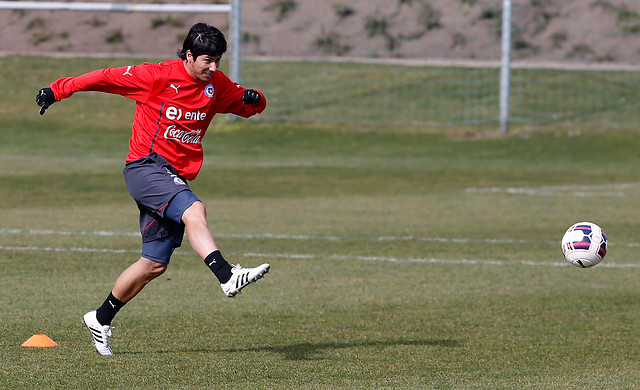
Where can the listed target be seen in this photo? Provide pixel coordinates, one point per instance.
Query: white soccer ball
(584, 244)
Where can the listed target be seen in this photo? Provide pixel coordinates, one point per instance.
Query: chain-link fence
(399, 62)
(437, 61)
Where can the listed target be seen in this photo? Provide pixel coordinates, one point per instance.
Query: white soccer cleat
(100, 333)
(242, 277)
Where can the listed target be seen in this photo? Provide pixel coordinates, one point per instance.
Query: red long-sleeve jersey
(173, 109)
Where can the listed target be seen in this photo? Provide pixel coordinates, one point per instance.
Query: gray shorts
(154, 184)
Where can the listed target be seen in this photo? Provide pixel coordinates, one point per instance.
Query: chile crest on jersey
(209, 90)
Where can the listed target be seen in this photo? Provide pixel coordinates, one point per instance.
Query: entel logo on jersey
(175, 114)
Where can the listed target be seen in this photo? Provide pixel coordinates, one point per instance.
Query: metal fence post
(505, 67)
(235, 39)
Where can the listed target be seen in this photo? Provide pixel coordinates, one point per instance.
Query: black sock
(109, 309)
(219, 266)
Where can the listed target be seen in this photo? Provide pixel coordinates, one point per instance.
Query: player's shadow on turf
(310, 351)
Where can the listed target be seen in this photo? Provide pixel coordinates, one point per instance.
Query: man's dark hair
(203, 39)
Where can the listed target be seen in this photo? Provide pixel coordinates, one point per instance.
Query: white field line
(307, 256)
(338, 257)
(68, 233)
(576, 190)
(450, 240)
(433, 260)
(72, 249)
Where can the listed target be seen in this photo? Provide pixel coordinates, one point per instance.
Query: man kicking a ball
(175, 103)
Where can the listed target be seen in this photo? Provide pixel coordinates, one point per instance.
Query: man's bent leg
(127, 286)
(152, 263)
(133, 279)
(232, 279)
(200, 238)
(202, 242)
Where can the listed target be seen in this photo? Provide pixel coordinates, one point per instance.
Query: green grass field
(402, 258)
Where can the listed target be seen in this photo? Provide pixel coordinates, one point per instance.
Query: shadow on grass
(309, 351)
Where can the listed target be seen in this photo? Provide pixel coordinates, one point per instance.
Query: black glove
(251, 96)
(45, 98)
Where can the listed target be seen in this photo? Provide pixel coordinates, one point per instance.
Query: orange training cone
(39, 340)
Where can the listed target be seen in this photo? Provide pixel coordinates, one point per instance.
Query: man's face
(201, 67)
